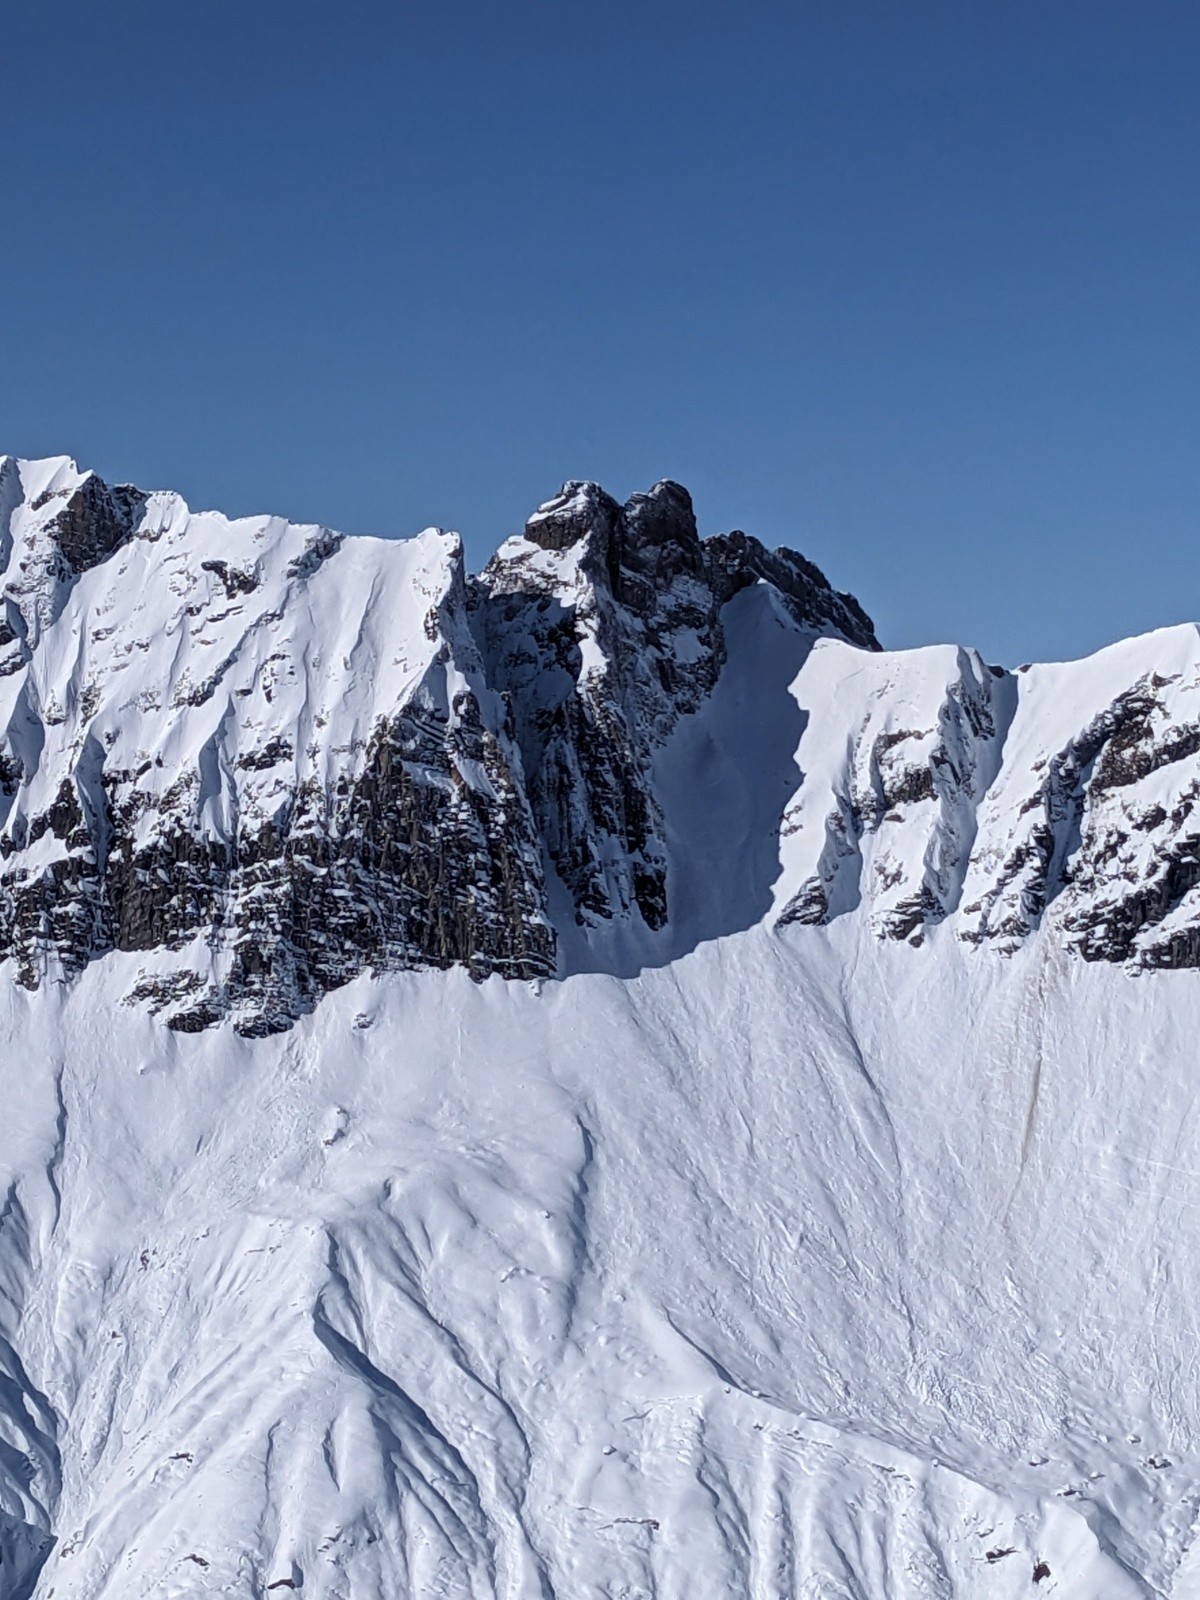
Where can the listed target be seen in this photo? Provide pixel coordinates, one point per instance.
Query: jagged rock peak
(86, 518)
(644, 545)
(735, 560)
(578, 509)
(660, 520)
(603, 628)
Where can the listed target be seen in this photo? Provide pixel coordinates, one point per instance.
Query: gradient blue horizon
(910, 288)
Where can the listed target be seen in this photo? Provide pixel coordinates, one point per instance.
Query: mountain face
(587, 1080)
(281, 758)
(274, 759)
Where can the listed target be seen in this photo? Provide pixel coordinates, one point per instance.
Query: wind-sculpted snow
(591, 1082)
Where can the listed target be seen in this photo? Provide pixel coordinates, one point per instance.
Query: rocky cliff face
(265, 757)
(603, 627)
(269, 759)
(1000, 802)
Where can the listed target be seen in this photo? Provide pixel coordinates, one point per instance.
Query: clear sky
(914, 287)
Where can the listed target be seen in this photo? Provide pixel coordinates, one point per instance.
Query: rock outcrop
(1060, 797)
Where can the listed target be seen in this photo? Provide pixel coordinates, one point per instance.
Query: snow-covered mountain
(589, 1080)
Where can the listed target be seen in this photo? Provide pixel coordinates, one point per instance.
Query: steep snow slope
(823, 1227)
(808, 1265)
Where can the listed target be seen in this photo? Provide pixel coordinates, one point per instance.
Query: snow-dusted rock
(603, 625)
(257, 748)
(938, 789)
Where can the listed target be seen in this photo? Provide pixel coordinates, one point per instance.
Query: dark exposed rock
(1041, 864)
(277, 864)
(895, 783)
(406, 872)
(1107, 929)
(659, 544)
(406, 864)
(808, 907)
(579, 509)
(586, 734)
(907, 917)
(426, 847)
(1133, 752)
(418, 850)
(271, 754)
(320, 547)
(233, 580)
(735, 560)
(95, 521)
(1118, 895)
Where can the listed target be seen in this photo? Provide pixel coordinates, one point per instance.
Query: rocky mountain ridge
(179, 772)
(272, 758)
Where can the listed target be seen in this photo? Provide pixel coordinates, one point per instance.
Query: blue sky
(910, 286)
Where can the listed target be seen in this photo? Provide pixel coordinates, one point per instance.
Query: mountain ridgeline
(264, 758)
(290, 757)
